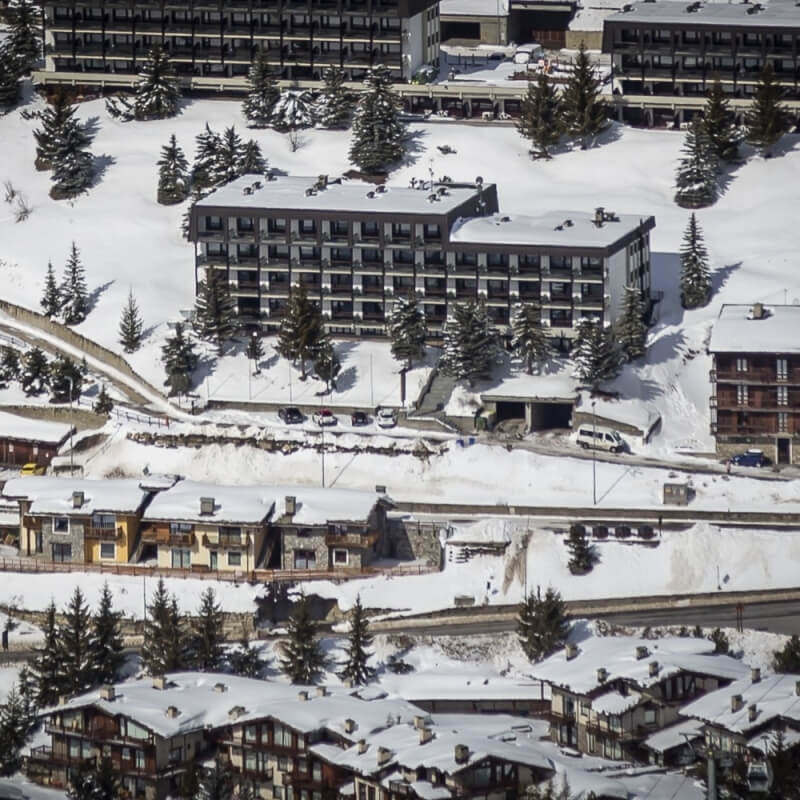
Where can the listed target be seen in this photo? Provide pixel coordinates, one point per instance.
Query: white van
(600, 438)
(528, 53)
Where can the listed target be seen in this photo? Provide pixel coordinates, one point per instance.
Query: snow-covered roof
(486, 531)
(28, 429)
(473, 8)
(736, 330)
(575, 229)
(558, 385)
(473, 685)
(615, 702)
(290, 193)
(617, 655)
(318, 506)
(674, 735)
(50, 495)
(766, 742)
(768, 14)
(628, 411)
(773, 696)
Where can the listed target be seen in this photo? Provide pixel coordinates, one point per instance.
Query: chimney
(322, 691)
(77, 499)
(425, 735)
(236, 712)
(63, 699)
(302, 695)
(736, 703)
(349, 725)
(107, 693)
(419, 721)
(653, 668)
(461, 754)
(758, 311)
(641, 652)
(599, 216)
(362, 746)
(291, 505)
(755, 674)
(206, 506)
(173, 712)
(384, 754)
(159, 682)
(602, 675)
(571, 651)
(220, 687)
(752, 712)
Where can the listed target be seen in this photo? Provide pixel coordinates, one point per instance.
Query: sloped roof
(51, 495)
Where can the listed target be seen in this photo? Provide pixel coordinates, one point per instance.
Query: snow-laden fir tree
(206, 641)
(204, 168)
(16, 723)
(355, 667)
(66, 380)
(326, 364)
(542, 626)
(301, 329)
(180, 360)
(470, 342)
(9, 365)
(74, 295)
(164, 639)
(767, 119)
(695, 272)
(173, 174)
(51, 297)
(131, 328)
(302, 659)
(48, 677)
(255, 351)
(246, 659)
(105, 642)
(696, 176)
(229, 157)
(262, 93)
(252, 161)
(23, 41)
(106, 784)
(723, 134)
(407, 330)
(379, 136)
(35, 376)
(528, 338)
(787, 659)
(293, 111)
(74, 642)
(584, 110)
(82, 783)
(10, 87)
(104, 404)
(216, 783)
(156, 93)
(540, 117)
(333, 104)
(72, 165)
(581, 553)
(57, 120)
(595, 352)
(215, 318)
(631, 327)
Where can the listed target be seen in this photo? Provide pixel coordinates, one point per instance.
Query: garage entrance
(549, 416)
(510, 410)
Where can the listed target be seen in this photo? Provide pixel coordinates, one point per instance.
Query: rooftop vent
(381, 189)
(384, 754)
(653, 668)
(641, 652)
(571, 651)
(599, 216)
(247, 190)
(159, 682)
(362, 746)
(432, 198)
(310, 192)
(693, 7)
(755, 8)
(269, 175)
(206, 506)
(757, 311)
(107, 693)
(302, 695)
(461, 754)
(322, 691)
(236, 712)
(425, 735)
(602, 675)
(290, 502)
(755, 674)
(626, 8)
(419, 721)
(173, 712)
(736, 703)
(752, 712)
(257, 185)
(505, 219)
(370, 195)
(567, 223)
(322, 182)
(220, 687)
(77, 499)
(349, 725)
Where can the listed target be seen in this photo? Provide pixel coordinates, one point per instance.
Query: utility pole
(594, 457)
(71, 428)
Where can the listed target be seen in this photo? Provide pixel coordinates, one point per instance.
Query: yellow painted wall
(129, 525)
(201, 556)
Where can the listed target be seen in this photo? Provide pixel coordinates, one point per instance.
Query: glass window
(783, 395)
(276, 225)
(340, 557)
(108, 550)
(432, 231)
(104, 521)
(283, 738)
(140, 759)
(308, 226)
(560, 262)
(234, 558)
(305, 559)
(62, 552)
(401, 229)
(496, 260)
(369, 229)
(741, 365)
(181, 558)
(61, 525)
(782, 369)
(245, 223)
(250, 733)
(741, 395)
(180, 527)
(213, 223)
(134, 731)
(649, 716)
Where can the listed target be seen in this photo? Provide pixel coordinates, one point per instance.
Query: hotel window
(308, 226)
(560, 262)
(741, 395)
(741, 365)
(783, 422)
(180, 527)
(782, 369)
(235, 558)
(369, 229)
(783, 395)
(108, 550)
(181, 559)
(277, 225)
(213, 223)
(61, 525)
(282, 738)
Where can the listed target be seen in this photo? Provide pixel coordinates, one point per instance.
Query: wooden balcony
(106, 534)
(359, 540)
(163, 536)
(224, 542)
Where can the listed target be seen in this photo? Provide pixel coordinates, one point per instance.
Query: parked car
(528, 53)
(31, 468)
(359, 418)
(600, 438)
(386, 417)
(290, 415)
(750, 458)
(324, 417)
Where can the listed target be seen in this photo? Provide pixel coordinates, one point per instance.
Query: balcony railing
(164, 536)
(103, 533)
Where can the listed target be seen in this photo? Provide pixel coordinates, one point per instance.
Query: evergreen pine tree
(104, 404)
(163, 649)
(72, 165)
(48, 676)
(333, 104)
(246, 660)
(156, 92)
(57, 121)
(106, 781)
(696, 176)
(722, 133)
(379, 136)
(15, 729)
(632, 329)
(9, 78)
(407, 330)
(528, 338)
(9, 366)
(51, 298)
(24, 38)
(230, 156)
(215, 310)
(180, 361)
(216, 783)
(131, 329)
(540, 117)
(542, 625)
(82, 782)
(767, 119)
(722, 645)
(207, 648)
(105, 644)
(63, 370)
(327, 364)
(26, 688)
(470, 343)
(263, 92)
(595, 353)
(355, 668)
(252, 161)
(695, 274)
(255, 351)
(584, 110)
(787, 659)
(74, 296)
(204, 169)
(581, 555)
(173, 174)
(301, 329)
(302, 658)
(293, 111)
(35, 372)
(74, 636)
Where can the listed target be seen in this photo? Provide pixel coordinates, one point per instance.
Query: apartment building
(609, 695)
(755, 380)
(355, 248)
(93, 42)
(678, 49)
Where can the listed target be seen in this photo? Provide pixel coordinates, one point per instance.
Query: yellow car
(31, 468)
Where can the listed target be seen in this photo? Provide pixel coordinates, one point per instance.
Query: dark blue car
(750, 458)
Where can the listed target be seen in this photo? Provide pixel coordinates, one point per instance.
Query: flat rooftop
(30, 429)
(553, 229)
(778, 13)
(473, 8)
(293, 193)
(737, 331)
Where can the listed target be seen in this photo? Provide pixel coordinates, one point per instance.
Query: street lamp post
(594, 458)
(71, 426)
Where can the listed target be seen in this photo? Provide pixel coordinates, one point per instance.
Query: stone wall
(316, 542)
(412, 540)
(79, 417)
